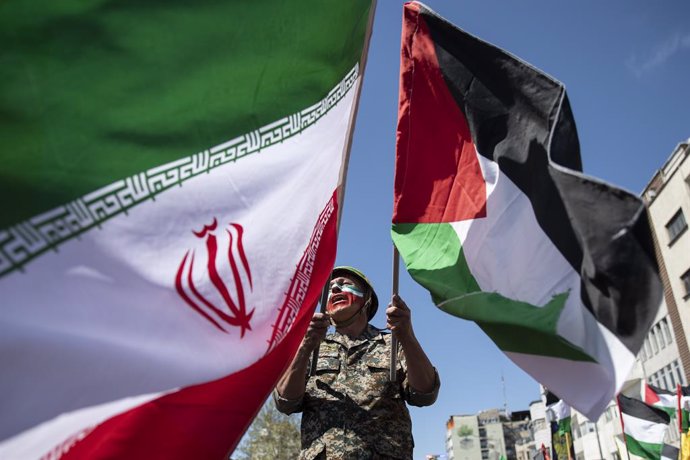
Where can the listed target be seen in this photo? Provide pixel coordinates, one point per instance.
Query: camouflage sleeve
(412, 396)
(415, 398)
(287, 406)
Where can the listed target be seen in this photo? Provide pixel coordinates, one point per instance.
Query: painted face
(344, 293)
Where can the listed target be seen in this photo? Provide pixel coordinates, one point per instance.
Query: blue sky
(626, 66)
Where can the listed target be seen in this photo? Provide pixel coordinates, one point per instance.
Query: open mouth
(337, 299)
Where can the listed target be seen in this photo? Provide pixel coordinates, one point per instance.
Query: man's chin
(336, 308)
(336, 312)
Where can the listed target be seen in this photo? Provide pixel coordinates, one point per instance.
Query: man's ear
(367, 303)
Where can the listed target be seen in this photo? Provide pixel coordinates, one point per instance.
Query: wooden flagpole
(394, 341)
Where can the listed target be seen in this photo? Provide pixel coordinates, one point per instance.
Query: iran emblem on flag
(218, 262)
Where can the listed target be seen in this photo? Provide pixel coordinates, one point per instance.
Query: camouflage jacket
(350, 408)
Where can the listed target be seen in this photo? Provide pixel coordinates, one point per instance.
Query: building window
(660, 378)
(676, 226)
(652, 338)
(679, 374)
(685, 278)
(667, 378)
(648, 348)
(669, 373)
(614, 412)
(667, 331)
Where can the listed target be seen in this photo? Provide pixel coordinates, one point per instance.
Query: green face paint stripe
(346, 288)
(353, 290)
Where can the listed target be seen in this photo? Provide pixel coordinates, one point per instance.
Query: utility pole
(505, 399)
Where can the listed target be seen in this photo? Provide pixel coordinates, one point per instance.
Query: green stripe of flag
(94, 92)
(643, 449)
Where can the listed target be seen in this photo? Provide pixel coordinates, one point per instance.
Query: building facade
(664, 360)
(668, 201)
(476, 437)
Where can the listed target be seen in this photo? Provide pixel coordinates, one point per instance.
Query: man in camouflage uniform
(351, 409)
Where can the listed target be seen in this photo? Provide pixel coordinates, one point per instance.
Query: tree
(272, 436)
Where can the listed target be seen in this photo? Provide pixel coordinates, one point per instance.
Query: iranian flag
(172, 177)
(663, 399)
(493, 215)
(644, 427)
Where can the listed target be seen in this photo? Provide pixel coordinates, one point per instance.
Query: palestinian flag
(669, 452)
(684, 408)
(559, 418)
(663, 399)
(493, 215)
(172, 178)
(558, 411)
(644, 427)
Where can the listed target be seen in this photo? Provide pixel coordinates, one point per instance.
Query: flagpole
(620, 415)
(346, 156)
(679, 414)
(322, 309)
(596, 431)
(353, 115)
(567, 445)
(394, 340)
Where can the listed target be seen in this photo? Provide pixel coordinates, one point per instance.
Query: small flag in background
(683, 408)
(663, 399)
(644, 427)
(173, 174)
(544, 452)
(684, 447)
(558, 413)
(493, 215)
